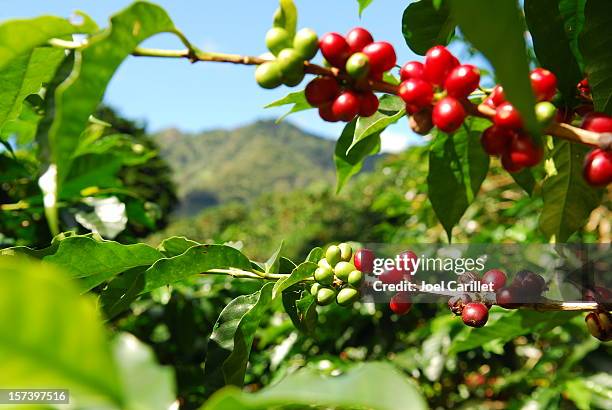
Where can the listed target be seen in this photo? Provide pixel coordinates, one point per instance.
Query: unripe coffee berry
(412, 69)
(439, 62)
(355, 278)
(364, 260)
(416, 92)
(333, 255)
(347, 296)
(306, 43)
(496, 278)
(545, 113)
(506, 116)
(400, 304)
(321, 91)
(325, 296)
(597, 170)
(268, 75)
(544, 84)
(324, 276)
(358, 66)
(382, 56)
(599, 324)
(475, 314)
(358, 38)
(462, 81)
(323, 263)
(277, 39)
(335, 49)
(346, 252)
(314, 289)
(368, 104)
(448, 114)
(346, 106)
(496, 140)
(343, 270)
(294, 78)
(289, 61)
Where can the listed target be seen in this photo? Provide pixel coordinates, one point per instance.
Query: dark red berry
(475, 314)
(412, 69)
(506, 298)
(392, 276)
(438, 64)
(335, 49)
(584, 88)
(368, 104)
(448, 114)
(358, 38)
(382, 56)
(496, 98)
(321, 90)
(599, 324)
(597, 170)
(327, 114)
(408, 261)
(416, 92)
(507, 116)
(524, 152)
(420, 121)
(508, 164)
(457, 303)
(528, 285)
(597, 122)
(496, 278)
(598, 294)
(346, 106)
(364, 260)
(400, 304)
(544, 84)
(496, 140)
(462, 80)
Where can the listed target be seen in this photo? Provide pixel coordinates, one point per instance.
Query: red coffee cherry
(321, 91)
(496, 140)
(475, 314)
(410, 258)
(412, 69)
(598, 294)
(327, 114)
(508, 164)
(462, 80)
(597, 122)
(438, 64)
(544, 84)
(368, 104)
(496, 98)
(457, 303)
(584, 88)
(599, 324)
(346, 106)
(335, 49)
(392, 276)
(448, 114)
(597, 170)
(506, 298)
(507, 116)
(528, 285)
(524, 152)
(495, 277)
(364, 260)
(382, 56)
(358, 38)
(400, 304)
(416, 92)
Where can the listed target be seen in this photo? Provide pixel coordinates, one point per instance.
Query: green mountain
(221, 166)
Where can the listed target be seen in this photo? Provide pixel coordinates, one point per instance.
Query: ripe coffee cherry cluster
(290, 54)
(527, 286)
(597, 169)
(337, 278)
(362, 59)
(599, 324)
(440, 76)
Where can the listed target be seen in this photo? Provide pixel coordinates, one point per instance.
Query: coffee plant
(544, 113)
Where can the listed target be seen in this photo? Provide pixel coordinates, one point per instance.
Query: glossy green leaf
(196, 260)
(303, 271)
(121, 291)
(363, 4)
(568, 199)
(424, 25)
(287, 17)
(376, 386)
(349, 163)
(298, 101)
(525, 179)
(230, 343)
(175, 246)
(50, 336)
(301, 307)
(390, 111)
(315, 255)
(552, 48)
(273, 263)
(596, 46)
(457, 167)
(484, 23)
(572, 12)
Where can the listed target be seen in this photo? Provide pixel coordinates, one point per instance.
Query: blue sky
(173, 93)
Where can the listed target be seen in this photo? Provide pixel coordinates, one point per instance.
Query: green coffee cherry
(545, 113)
(343, 270)
(355, 278)
(268, 75)
(325, 296)
(324, 264)
(277, 39)
(347, 296)
(346, 252)
(333, 255)
(314, 289)
(290, 62)
(306, 43)
(358, 66)
(294, 79)
(324, 276)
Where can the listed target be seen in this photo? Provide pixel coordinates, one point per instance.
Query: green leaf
(297, 98)
(175, 246)
(504, 326)
(376, 386)
(424, 25)
(363, 4)
(196, 260)
(315, 255)
(273, 263)
(391, 110)
(287, 17)
(554, 52)
(303, 271)
(596, 46)
(525, 180)
(457, 167)
(484, 23)
(302, 309)
(568, 199)
(50, 336)
(349, 163)
(572, 12)
(231, 340)
(121, 291)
